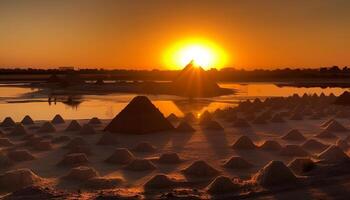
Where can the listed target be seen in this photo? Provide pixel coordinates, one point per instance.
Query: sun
(203, 52)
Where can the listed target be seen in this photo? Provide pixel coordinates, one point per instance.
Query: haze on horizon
(135, 34)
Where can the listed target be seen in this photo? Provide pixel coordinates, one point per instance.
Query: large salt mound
(343, 144)
(243, 143)
(270, 145)
(335, 126)
(144, 147)
(81, 173)
(43, 145)
(200, 168)
(312, 144)
(301, 165)
(47, 127)
(241, 123)
(18, 130)
(333, 154)
(222, 184)
(275, 173)
(74, 159)
(8, 122)
(185, 127)
(78, 141)
(5, 142)
(293, 134)
(213, 125)
(94, 121)
(237, 162)
(277, 118)
(27, 120)
(20, 155)
(326, 135)
(159, 181)
(169, 158)
(172, 118)
(140, 116)
(58, 119)
(121, 156)
(293, 150)
(100, 183)
(108, 139)
(140, 165)
(17, 179)
(87, 130)
(73, 126)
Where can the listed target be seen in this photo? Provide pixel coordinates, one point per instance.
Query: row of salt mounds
(58, 119)
(121, 156)
(20, 155)
(185, 127)
(47, 127)
(270, 145)
(142, 112)
(8, 122)
(169, 158)
(222, 184)
(74, 159)
(94, 121)
(333, 154)
(160, 181)
(200, 168)
(301, 165)
(140, 164)
(275, 173)
(17, 179)
(81, 173)
(144, 147)
(73, 126)
(27, 120)
(18, 130)
(244, 143)
(293, 150)
(295, 135)
(237, 162)
(314, 145)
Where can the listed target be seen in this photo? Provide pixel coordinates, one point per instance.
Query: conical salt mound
(81, 173)
(222, 184)
(343, 144)
(17, 179)
(8, 122)
(18, 130)
(301, 165)
(87, 129)
(140, 165)
(189, 117)
(200, 169)
(121, 156)
(27, 120)
(275, 173)
(333, 154)
(20, 155)
(185, 127)
(169, 158)
(241, 123)
(277, 118)
(243, 143)
(172, 118)
(205, 118)
(270, 145)
(74, 159)
(57, 119)
(144, 147)
(140, 116)
(47, 127)
(159, 181)
(94, 121)
(326, 135)
(237, 162)
(312, 144)
(343, 99)
(335, 126)
(293, 150)
(294, 134)
(213, 125)
(73, 126)
(326, 123)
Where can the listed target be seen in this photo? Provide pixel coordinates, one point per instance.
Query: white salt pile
(73, 126)
(237, 162)
(8, 122)
(169, 158)
(81, 173)
(333, 154)
(47, 127)
(121, 156)
(270, 145)
(200, 168)
(27, 120)
(159, 181)
(94, 121)
(75, 159)
(58, 119)
(294, 134)
(17, 179)
(140, 165)
(244, 143)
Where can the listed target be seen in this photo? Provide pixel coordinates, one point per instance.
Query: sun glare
(203, 52)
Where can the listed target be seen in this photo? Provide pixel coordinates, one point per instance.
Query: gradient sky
(136, 33)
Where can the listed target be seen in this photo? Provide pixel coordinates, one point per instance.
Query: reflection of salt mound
(57, 119)
(27, 120)
(312, 144)
(144, 147)
(108, 139)
(185, 127)
(172, 118)
(241, 123)
(94, 121)
(78, 141)
(18, 130)
(20, 155)
(236, 162)
(293, 150)
(140, 165)
(301, 165)
(5, 142)
(200, 169)
(8, 122)
(87, 130)
(47, 127)
(335, 126)
(140, 116)
(43, 145)
(100, 183)
(189, 117)
(333, 154)
(120, 156)
(74, 159)
(213, 125)
(243, 143)
(270, 145)
(222, 184)
(17, 179)
(159, 181)
(293, 134)
(275, 173)
(73, 126)
(169, 158)
(81, 173)
(326, 135)
(343, 144)
(277, 118)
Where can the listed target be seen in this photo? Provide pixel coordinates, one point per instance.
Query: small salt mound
(4, 161)
(312, 144)
(172, 118)
(213, 125)
(296, 116)
(73, 126)
(81, 173)
(8, 122)
(80, 149)
(326, 135)
(222, 184)
(94, 121)
(78, 141)
(159, 181)
(18, 130)
(301, 165)
(185, 127)
(27, 120)
(108, 139)
(241, 123)
(169, 158)
(237, 162)
(335, 126)
(43, 145)
(74, 159)
(270, 145)
(140, 165)
(121, 156)
(100, 183)
(260, 120)
(243, 143)
(60, 139)
(343, 144)
(144, 147)
(189, 117)
(87, 130)
(277, 118)
(293, 150)
(20, 155)
(294, 134)
(333, 154)
(200, 169)
(5, 142)
(17, 179)
(58, 119)
(205, 117)
(275, 173)
(47, 127)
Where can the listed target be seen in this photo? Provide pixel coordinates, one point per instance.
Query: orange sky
(136, 33)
